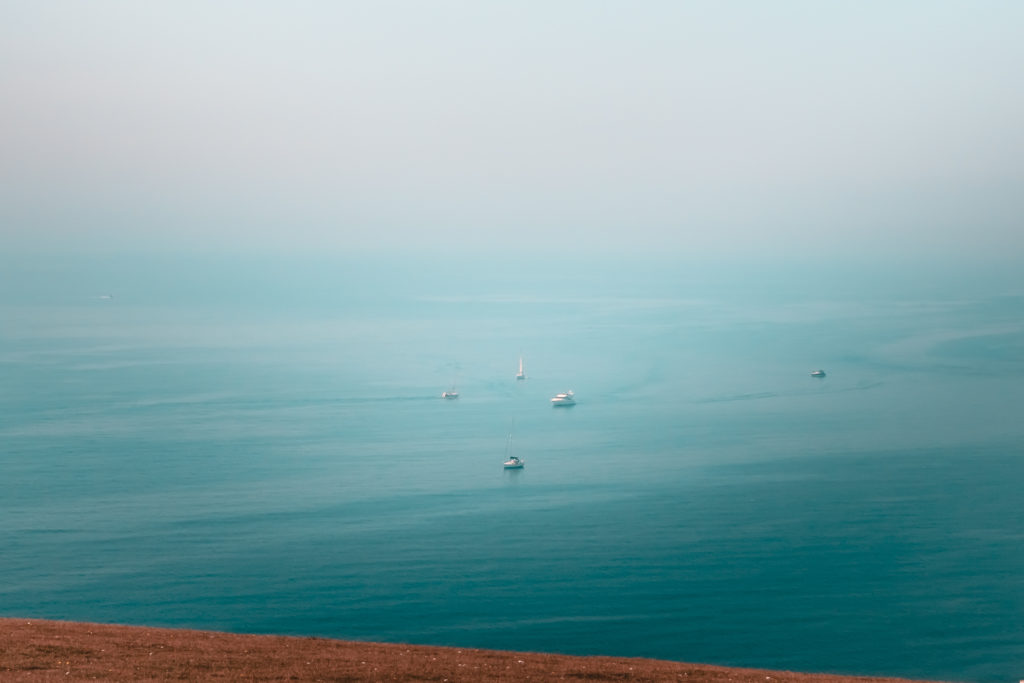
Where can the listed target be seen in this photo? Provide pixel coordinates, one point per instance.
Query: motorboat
(564, 399)
(818, 373)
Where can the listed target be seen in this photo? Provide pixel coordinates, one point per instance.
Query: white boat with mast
(522, 373)
(450, 394)
(511, 461)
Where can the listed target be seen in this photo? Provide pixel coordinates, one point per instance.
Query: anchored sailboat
(521, 374)
(511, 461)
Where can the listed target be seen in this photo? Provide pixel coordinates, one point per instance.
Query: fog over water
(705, 128)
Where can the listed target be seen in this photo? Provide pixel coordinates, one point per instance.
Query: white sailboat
(521, 374)
(511, 461)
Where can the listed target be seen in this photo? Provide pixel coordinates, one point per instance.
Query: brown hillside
(39, 650)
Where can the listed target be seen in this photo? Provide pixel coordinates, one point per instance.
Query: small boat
(450, 394)
(521, 374)
(511, 461)
(818, 373)
(564, 399)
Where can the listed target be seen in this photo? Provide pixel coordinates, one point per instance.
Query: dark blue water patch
(864, 560)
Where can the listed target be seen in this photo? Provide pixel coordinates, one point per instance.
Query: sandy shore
(40, 650)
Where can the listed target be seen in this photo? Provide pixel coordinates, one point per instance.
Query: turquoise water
(269, 453)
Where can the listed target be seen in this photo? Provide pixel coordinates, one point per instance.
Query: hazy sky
(690, 127)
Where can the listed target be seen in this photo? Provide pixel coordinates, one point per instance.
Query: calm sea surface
(269, 453)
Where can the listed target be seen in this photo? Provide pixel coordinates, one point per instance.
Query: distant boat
(521, 374)
(818, 373)
(511, 461)
(450, 394)
(564, 400)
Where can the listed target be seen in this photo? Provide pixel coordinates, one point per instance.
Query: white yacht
(522, 373)
(450, 394)
(565, 399)
(818, 373)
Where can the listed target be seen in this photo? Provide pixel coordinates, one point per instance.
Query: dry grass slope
(39, 650)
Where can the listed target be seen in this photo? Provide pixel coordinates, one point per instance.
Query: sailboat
(450, 394)
(521, 374)
(511, 461)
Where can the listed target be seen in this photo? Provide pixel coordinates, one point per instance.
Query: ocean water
(264, 449)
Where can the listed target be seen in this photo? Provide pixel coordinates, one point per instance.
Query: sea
(259, 445)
